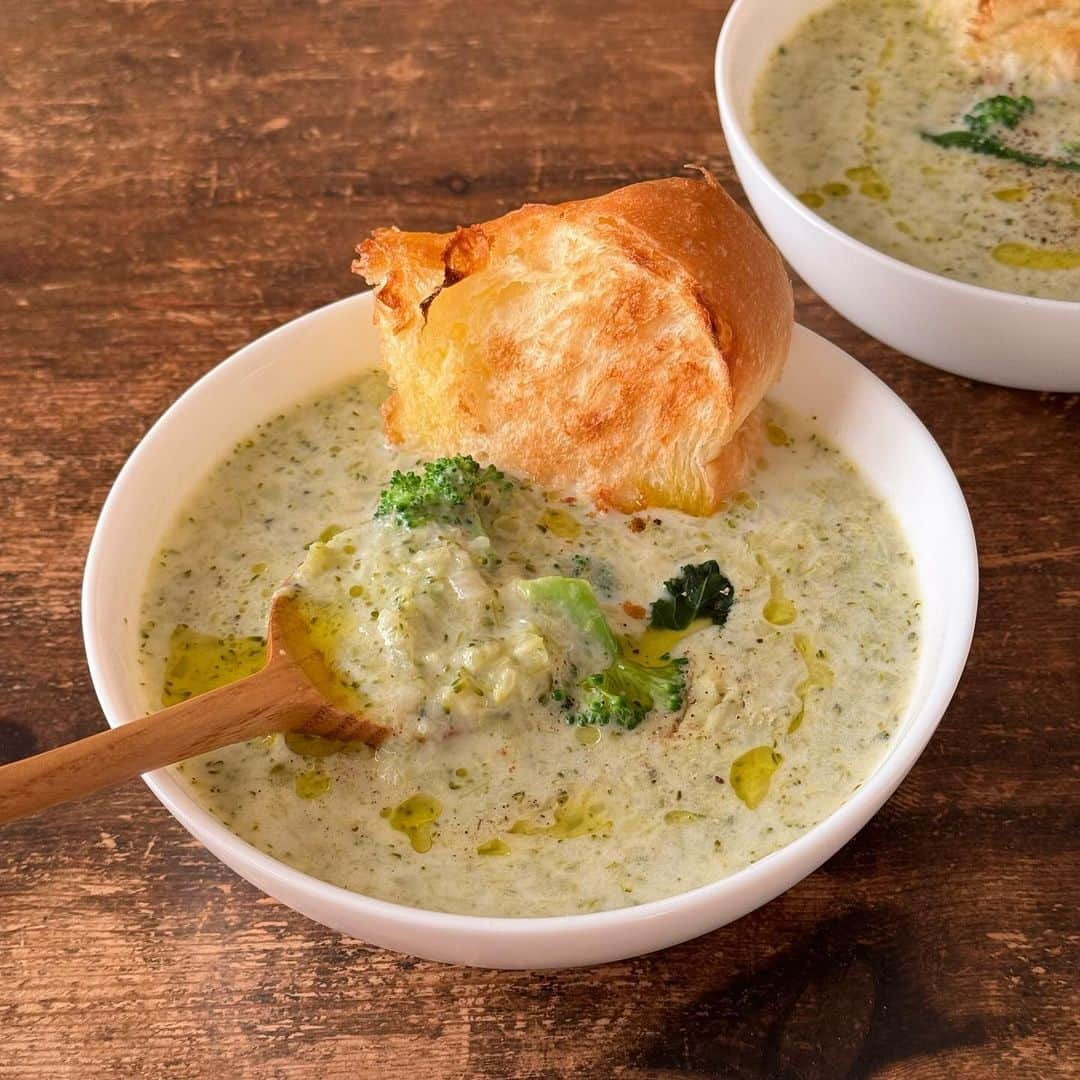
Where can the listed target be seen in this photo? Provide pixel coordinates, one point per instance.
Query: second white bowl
(993, 336)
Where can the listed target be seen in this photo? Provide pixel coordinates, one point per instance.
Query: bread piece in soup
(617, 346)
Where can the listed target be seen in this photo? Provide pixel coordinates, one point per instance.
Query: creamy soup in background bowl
(825, 396)
(850, 235)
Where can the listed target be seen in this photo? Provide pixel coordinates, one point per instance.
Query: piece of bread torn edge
(616, 347)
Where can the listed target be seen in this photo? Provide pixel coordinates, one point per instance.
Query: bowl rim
(788, 864)
(735, 132)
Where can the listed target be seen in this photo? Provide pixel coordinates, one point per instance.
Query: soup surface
(840, 116)
(486, 800)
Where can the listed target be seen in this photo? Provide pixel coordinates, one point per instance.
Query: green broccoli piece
(999, 109)
(452, 490)
(626, 691)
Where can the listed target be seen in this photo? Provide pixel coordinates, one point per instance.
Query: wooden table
(178, 178)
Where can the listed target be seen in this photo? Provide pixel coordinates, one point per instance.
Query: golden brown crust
(616, 345)
(1010, 39)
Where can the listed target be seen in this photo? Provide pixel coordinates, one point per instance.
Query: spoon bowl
(294, 691)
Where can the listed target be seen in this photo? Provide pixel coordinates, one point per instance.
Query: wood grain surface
(177, 178)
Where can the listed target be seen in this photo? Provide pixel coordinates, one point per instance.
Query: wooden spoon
(294, 691)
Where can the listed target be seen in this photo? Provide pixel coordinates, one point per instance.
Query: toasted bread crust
(1010, 39)
(614, 345)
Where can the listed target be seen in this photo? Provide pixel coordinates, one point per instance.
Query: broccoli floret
(999, 109)
(451, 490)
(626, 691)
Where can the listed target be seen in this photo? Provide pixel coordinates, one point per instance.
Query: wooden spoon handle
(264, 702)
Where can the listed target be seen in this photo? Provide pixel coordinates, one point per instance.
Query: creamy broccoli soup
(588, 710)
(867, 115)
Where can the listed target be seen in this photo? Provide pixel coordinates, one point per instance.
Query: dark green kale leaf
(699, 592)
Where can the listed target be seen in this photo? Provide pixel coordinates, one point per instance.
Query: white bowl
(853, 407)
(985, 334)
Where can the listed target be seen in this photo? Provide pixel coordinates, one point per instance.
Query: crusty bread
(616, 346)
(1012, 39)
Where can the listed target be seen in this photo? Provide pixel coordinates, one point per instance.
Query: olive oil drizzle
(752, 772)
(416, 818)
